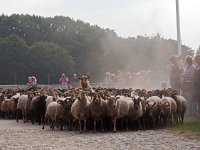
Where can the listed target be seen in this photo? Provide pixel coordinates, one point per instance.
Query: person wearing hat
(196, 81)
(175, 73)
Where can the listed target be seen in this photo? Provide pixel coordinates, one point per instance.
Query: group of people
(148, 79)
(64, 81)
(186, 80)
(32, 81)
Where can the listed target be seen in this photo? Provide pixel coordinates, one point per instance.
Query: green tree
(12, 59)
(48, 60)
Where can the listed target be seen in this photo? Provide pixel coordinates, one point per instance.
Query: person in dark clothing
(196, 81)
(175, 74)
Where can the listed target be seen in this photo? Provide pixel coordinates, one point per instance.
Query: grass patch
(190, 127)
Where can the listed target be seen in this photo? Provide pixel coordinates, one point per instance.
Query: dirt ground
(23, 136)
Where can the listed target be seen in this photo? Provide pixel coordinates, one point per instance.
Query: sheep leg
(182, 118)
(26, 116)
(17, 116)
(95, 126)
(126, 123)
(61, 124)
(80, 129)
(139, 124)
(53, 124)
(102, 128)
(114, 125)
(85, 121)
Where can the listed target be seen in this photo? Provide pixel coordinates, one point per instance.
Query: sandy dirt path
(27, 136)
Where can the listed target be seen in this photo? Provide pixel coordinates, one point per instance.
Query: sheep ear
(117, 97)
(167, 104)
(153, 104)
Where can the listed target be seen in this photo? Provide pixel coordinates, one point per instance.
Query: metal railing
(52, 86)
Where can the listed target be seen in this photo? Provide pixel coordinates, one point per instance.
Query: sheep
(136, 111)
(85, 84)
(2, 98)
(181, 107)
(80, 109)
(97, 110)
(38, 108)
(68, 115)
(168, 108)
(55, 111)
(152, 110)
(9, 105)
(24, 104)
(4, 107)
(116, 108)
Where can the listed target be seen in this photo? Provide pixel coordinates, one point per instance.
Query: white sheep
(80, 109)
(168, 108)
(24, 104)
(116, 108)
(55, 111)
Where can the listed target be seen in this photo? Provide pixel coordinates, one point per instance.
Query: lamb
(136, 111)
(116, 108)
(97, 110)
(24, 104)
(80, 109)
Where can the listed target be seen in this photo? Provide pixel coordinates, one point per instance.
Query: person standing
(75, 81)
(196, 81)
(64, 81)
(175, 74)
(29, 81)
(187, 84)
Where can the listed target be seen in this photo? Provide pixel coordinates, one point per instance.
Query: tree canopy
(46, 47)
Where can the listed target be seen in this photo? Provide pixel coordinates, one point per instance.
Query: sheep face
(150, 109)
(82, 96)
(112, 102)
(136, 102)
(84, 81)
(164, 108)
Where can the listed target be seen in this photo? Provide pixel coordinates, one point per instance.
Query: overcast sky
(126, 17)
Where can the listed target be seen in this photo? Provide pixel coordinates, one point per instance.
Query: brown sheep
(181, 106)
(85, 84)
(97, 110)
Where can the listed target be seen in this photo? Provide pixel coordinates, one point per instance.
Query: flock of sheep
(94, 108)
